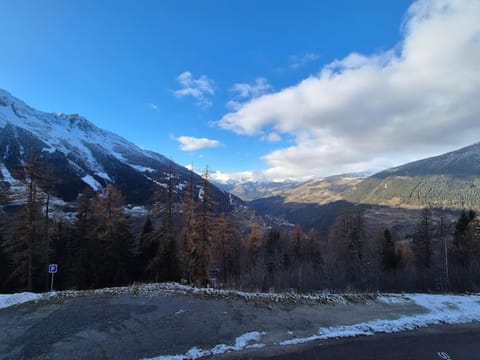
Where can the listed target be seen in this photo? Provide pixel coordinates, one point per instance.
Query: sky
(266, 89)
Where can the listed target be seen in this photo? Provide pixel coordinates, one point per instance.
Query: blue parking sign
(52, 268)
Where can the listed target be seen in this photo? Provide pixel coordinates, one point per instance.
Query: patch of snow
(441, 309)
(142, 168)
(393, 299)
(7, 177)
(249, 340)
(136, 210)
(163, 185)
(103, 175)
(19, 298)
(201, 193)
(90, 181)
(182, 186)
(50, 150)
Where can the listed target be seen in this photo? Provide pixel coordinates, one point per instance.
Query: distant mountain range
(250, 190)
(318, 191)
(451, 181)
(78, 154)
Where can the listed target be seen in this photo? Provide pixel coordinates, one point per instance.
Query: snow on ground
(433, 309)
(136, 210)
(90, 181)
(142, 168)
(249, 340)
(440, 309)
(19, 298)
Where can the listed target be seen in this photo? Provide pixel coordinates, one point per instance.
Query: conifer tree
(190, 233)
(389, 258)
(422, 241)
(114, 242)
(224, 246)
(201, 255)
(462, 246)
(255, 243)
(297, 238)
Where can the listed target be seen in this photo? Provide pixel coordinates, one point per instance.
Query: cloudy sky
(271, 89)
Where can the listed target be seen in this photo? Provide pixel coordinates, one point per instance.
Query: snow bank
(249, 340)
(20, 298)
(440, 309)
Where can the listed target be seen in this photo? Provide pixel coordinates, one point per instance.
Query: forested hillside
(451, 180)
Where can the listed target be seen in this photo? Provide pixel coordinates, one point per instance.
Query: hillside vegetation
(450, 180)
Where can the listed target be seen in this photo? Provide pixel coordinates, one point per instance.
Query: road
(136, 325)
(437, 343)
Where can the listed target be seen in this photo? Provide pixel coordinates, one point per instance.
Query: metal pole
(51, 283)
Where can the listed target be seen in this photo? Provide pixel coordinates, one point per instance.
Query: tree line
(190, 241)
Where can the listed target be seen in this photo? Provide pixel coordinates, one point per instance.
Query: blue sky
(157, 72)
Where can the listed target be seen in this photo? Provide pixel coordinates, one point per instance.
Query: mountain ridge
(82, 154)
(450, 180)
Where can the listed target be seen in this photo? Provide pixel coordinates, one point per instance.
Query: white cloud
(244, 92)
(200, 89)
(297, 61)
(153, 106)
(190, 143)
(271, 137)
(417, 99)
(225, 178)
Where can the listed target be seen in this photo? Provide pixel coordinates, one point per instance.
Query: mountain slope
(252, 190)
(79, 154)
(450, 180)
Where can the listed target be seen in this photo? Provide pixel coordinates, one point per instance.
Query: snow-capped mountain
(79, 154)
(250, 187)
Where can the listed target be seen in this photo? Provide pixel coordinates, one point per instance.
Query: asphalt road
(132, 327)
(438, 343)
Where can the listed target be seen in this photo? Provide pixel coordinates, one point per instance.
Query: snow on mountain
(81, 155)
(72, 135)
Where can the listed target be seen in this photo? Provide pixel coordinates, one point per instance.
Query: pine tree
(5, 261)
(462, 246)
(202, 248)
(168, 243)
(297, 238)
(25, 241)
(422, 241)
(389, 258)
(114, 241)
(224, 246)
(148, 248)
(81, 253)
(255, 244)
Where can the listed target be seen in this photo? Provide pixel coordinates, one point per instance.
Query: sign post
(52, 269)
